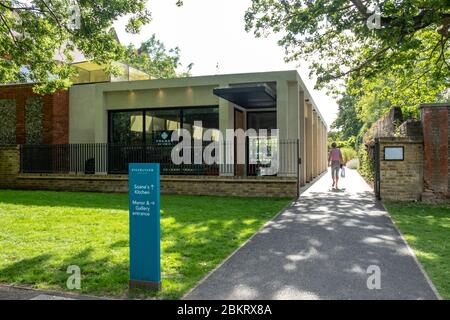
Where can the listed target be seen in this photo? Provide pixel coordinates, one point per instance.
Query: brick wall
(10, 178)
(55, 117)
(9, 165)
(436, 132)
(402, 180)
(220, 186)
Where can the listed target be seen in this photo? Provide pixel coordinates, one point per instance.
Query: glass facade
(155, 126)
(209, 118)
(126, 127)
(261, 150)
(262, 120)
(159, 124)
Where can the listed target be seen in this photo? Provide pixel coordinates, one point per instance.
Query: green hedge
(348, 154)
(366, 168)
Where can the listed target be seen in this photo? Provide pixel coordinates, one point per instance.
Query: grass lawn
(42, 233)
(427, 230)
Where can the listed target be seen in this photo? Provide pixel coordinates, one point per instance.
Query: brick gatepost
(436, 135)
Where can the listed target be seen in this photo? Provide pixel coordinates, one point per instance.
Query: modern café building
(83, 138)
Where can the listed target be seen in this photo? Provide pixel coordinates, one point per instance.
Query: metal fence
(102, 158)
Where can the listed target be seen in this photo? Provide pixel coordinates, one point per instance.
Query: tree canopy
(32, 31)
(153, 58)
(359, 38)
(382, 53)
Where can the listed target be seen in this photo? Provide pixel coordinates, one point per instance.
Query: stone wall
(219, 186)
(386, 126)
(10, 178)
(401, 180)
(9, 165)
(412, 129)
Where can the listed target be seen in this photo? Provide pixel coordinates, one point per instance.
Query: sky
(211, 33)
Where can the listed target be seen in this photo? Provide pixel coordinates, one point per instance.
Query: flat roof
(218, 80)
(249, 96)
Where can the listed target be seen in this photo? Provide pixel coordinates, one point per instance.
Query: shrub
(348, 154)
(365, 164)
(353, 164)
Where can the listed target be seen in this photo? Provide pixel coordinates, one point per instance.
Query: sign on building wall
(394, 153)
(144, 205)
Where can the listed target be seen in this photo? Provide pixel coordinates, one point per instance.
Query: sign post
(144, 205)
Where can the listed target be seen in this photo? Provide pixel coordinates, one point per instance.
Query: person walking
(334, 161)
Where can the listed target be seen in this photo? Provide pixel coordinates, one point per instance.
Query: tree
(347, 121)
(31, 32)
(361, 38)
(153, 58)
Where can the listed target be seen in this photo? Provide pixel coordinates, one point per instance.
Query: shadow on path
(321, 248)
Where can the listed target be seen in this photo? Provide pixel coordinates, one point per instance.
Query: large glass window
(261, 150)
(127, 127)
(209, 118)
(155, 126)
(262, 120)
(159, 124)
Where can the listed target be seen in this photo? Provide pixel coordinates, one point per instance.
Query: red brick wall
(435, 121)
(55, 117)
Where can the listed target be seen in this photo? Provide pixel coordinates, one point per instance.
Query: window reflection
(209, 118)
(156, 126)
(159, 124)
(127, 127)
(262, 120)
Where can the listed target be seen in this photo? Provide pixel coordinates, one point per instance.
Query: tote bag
(343, 172)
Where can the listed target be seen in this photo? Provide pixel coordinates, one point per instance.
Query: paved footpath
(321, 248)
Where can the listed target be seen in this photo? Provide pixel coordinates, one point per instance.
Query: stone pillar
(9, 166)
(325, 147)
(226, 121)
(319, 147)
(309, 141)
(101, 117)
(289, 157)
(315, 144)
(282, 109)
(302, 139)
(283, 126)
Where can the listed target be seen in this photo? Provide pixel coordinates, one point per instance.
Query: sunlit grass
(427, 230)
(42, 233)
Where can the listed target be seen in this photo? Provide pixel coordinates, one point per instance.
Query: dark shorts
(335, 167)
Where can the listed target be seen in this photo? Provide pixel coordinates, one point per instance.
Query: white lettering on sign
(142, 208)
(142, 189)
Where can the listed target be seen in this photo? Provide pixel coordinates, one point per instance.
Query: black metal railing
(102, 158)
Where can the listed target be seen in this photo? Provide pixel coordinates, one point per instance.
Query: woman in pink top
(334, 161)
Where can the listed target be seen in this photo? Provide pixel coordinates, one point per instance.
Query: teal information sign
(144, 204)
